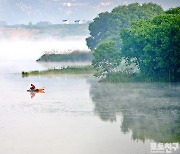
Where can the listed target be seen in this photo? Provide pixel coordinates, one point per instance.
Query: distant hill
(41, 31)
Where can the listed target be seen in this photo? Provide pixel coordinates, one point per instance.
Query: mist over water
(20, 46)
(23, 42)
(31, 50)
(21, 55)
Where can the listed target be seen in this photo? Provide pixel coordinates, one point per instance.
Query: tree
(97, 29)
(154, 46)
(107, 25)
(173, 11)
(106, 58)
(105, 29)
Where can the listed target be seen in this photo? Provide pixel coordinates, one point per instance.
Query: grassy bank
(136, 77)
(111, 77)
(65, 70)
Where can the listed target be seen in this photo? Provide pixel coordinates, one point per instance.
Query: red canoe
(39, 90)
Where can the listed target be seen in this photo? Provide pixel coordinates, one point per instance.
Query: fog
(23, 42)
(20, 49)
(21, 46)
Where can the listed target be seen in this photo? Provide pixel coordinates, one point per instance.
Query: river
(79, 115)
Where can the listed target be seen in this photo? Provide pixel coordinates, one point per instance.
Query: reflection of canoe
(40, 90)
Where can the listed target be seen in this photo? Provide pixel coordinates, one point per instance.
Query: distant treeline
(144, 35)
(74, 56)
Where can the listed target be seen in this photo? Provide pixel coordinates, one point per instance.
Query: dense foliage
(154, 46)
(107, 58)
(143, 35)
(108, 25)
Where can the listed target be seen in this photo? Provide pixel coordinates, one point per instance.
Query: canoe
(39, 90)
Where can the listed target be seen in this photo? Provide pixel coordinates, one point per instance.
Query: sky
(54, 11)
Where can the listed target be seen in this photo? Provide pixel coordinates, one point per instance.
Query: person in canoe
(32, 87)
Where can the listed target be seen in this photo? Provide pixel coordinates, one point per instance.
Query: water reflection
(149, 110)
(32, 94)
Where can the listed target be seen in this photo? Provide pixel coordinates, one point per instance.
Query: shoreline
(118, 77)
(64, 70)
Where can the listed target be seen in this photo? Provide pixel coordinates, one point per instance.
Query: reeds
(64, 70)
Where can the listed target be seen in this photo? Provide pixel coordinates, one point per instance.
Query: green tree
(107, 26)
(173, 11)
(97, 29)
(154, 46)
(107, 58)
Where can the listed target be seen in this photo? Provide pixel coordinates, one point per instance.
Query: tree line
(144, 36)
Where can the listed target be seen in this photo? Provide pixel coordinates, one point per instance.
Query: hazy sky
(54, 11)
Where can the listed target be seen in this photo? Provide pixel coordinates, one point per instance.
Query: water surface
(79, 115)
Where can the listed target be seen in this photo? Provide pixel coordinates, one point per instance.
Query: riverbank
(64, 70)
(135, 77)
(115, 77)
(118, 77)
